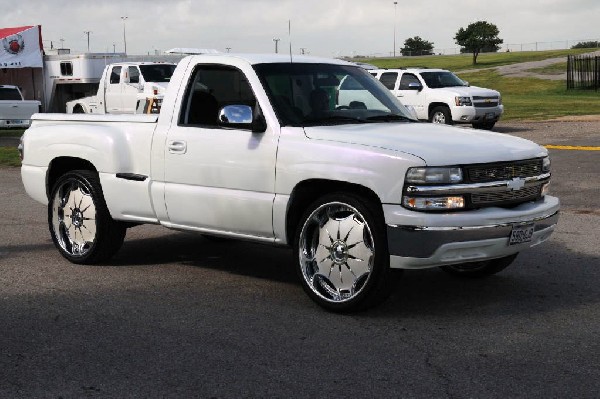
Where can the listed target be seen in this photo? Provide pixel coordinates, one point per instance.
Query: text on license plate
(521, 234)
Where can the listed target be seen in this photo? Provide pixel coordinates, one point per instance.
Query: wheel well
(433, 105)
(78, 109)
(308, 191)
(62, 165)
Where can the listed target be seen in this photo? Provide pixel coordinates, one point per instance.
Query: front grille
(485, 105)
(485, 102)
(503, 171)
(506, 197)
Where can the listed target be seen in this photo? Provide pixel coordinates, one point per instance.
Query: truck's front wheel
(441, 115)
(79, 221)
(341, 247)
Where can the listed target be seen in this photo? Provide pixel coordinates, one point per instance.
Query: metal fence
(583, 72)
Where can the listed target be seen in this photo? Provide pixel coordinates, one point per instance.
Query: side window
(389, 79)
(212, 87)
(407, 79)
(66, 69)
(134, 74)
(115, 75)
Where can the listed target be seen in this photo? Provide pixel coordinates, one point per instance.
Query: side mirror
(235, 115)
(242, 117)
(467, 84)
(415, 86)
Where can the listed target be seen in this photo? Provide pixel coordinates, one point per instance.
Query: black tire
(480, 269)
(343, 235)
(79, 221)
(78, 109)
(484, 126)
(441, 114)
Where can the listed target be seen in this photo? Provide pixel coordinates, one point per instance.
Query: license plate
(490, 115)
(521, 234)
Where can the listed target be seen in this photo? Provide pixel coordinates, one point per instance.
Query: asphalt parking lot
(177, 315)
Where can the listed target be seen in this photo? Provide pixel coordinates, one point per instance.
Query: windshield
(437, 80)
(9, 93)
(305, 94)
(158, 73)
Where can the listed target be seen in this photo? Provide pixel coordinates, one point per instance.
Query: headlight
(460, 101)
(426, 175)
(433, 203)
(546, 165)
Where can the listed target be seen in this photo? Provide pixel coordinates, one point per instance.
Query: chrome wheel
(441, 115)
(438, 117)
(80, 224)
(74, 218)
(336, 251)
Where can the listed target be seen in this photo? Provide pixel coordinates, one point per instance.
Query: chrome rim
(74, 218)
(438, 117)
(336, 252)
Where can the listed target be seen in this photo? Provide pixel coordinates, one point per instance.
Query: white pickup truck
(127, 88)
(255, 147)
(14, 111)
(439, 96)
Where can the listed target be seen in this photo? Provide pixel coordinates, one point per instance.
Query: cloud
(332, 27)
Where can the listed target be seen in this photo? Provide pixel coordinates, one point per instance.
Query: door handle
(177, 147)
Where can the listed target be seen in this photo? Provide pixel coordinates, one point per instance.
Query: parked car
(256, 147)
(439, 96)
(127, 88)
(14, 110)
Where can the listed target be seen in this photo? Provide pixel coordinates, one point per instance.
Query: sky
(330, 28)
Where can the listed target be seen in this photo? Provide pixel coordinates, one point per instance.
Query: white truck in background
(439, 96)
(14, 110)
(127, 88)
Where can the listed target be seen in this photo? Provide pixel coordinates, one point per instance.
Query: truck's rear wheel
(440, 115)
(341, 247)
(480, 269)
(79, 221)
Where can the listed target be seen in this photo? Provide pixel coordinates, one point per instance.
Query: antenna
(290, 37)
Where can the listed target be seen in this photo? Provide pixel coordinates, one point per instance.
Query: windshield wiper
(388, 118)
(334, 119)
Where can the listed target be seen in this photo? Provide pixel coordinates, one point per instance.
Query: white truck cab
(439, 96)
(127, 88)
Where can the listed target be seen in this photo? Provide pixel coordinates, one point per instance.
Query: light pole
(276, 43)
(124, 37)
(87, 32)
(62, 42)
(395, 7)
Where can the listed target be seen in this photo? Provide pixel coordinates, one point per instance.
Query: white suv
(439, 96)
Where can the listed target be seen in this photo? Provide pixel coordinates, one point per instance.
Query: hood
(437, 145)
(464, 91)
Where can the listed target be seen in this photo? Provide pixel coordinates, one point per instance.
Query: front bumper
(477, 114)
(452, 238)
(8, 123)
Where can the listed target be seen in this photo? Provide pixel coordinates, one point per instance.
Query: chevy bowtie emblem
(516, 184)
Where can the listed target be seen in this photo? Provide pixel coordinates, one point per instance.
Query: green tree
(478, 36)
(417, 46)
(590, 44)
